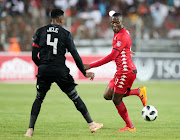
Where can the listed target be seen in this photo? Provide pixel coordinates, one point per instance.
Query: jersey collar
(122, 30)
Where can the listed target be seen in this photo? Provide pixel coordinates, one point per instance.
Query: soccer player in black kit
(51, 43)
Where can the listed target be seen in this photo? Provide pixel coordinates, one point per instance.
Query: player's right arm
(105, 60)
(117, 48)
(35, 49)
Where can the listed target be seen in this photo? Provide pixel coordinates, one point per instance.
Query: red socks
(124, 114)
(132, 92)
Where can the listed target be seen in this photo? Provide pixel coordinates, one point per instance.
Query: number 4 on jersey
(53, 44)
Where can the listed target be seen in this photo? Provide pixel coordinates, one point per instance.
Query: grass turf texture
(59, 118)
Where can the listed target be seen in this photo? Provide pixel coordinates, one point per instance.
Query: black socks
(35, 112)
(82, 108)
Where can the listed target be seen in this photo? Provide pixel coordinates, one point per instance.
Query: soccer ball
(149, 113)
(111, 13)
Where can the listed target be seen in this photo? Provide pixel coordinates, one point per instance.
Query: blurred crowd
(87, 19)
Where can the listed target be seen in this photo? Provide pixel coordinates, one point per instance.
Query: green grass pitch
(59, 119)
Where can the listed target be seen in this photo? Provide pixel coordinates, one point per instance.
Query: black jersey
(52, 42)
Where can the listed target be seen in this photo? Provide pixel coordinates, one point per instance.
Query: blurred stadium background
(154, 26)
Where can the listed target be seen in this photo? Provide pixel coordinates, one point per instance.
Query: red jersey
(121, 53)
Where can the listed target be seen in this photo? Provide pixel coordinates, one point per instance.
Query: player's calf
(80, 106)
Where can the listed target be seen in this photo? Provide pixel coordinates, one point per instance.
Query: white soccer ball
(111, 13)
(149, 113)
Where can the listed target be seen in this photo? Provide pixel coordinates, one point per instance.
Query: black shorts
(65, 83)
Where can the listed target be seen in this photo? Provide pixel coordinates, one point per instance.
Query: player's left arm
(35, 48)
(72, 49)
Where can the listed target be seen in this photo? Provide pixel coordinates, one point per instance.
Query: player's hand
(89, 75)
(86, 66)
(133, 53)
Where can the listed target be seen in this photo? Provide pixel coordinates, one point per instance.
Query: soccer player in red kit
(120, 85)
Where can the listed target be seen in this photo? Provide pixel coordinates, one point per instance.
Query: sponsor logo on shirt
(118, 43)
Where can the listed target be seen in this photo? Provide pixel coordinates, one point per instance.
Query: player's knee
(80, 106)
(73, 94)
(117, 101)
(41, 91)
(117, 98)
(108, 93)
(40, 95)
(106, 97)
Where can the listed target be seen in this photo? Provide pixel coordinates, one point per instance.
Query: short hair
(56, 13)
(117, 15)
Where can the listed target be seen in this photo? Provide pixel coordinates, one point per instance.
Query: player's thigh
(109, 90)
(66, 83)
(43, 85)
(108, 93)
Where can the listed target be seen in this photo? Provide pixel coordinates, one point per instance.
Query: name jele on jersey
(53, 29)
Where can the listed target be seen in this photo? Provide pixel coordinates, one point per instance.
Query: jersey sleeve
(35, 48)
(36, 39)
(35, 58)
(70, 43)
(106, 59)
(72, 49)
(120, 43)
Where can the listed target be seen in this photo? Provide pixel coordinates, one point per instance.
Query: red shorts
(121, 83)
